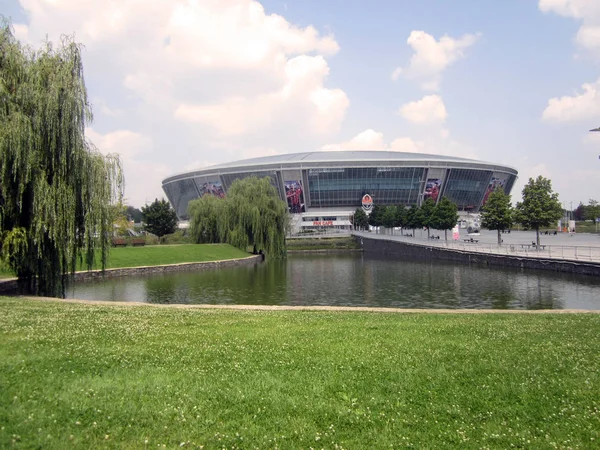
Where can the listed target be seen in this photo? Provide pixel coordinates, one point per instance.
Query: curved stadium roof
(337, 158)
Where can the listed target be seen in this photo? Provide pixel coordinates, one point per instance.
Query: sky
(184, 84)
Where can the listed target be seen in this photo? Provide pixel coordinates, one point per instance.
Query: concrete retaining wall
(10, 285)
(409, 251)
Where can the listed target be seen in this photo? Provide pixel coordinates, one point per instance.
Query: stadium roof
(341, 156)
(338, 158)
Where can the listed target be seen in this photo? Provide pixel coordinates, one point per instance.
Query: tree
(592, 210)
(255, 216)
(579, 212)
(401, 216)
(540, 206)
(376, 216)
(414, 218)
(159, 218)
(134, 214)
(497, 213)
(205, 214)
(389, 217)
(55, 187)
(360, 219)
(121, 224)
(444, 216)
(427, 209)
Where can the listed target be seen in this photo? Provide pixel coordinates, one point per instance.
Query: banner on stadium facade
(367, 203)
(497, 181)
(213, 188)
(294, 195)
(432, 189)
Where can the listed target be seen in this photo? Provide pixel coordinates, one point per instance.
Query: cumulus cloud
(586, 11)
(192, 72)
(582, 106)
(430, 109)
(143, 177)
(366, 140)
(408, 145)
(432, 57)
(374, 140)
(302, 91)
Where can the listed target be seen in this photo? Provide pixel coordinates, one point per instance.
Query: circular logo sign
(367, 202)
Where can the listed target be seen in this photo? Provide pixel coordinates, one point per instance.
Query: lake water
(355, 280)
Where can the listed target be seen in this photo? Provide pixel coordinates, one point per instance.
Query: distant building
(323, 189)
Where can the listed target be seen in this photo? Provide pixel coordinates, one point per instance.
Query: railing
(567, 252)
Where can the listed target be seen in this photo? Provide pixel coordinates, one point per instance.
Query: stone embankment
(10, 285)
(406, 250)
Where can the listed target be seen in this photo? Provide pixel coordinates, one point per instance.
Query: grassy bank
(337, 243)
(92, 376)
(157, 255)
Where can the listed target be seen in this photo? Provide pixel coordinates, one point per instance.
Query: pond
(354, 280)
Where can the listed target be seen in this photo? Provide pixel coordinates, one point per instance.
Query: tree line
(440, 216)
(591, 211)
(539, 208)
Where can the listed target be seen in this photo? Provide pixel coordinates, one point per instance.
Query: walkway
(576, 247)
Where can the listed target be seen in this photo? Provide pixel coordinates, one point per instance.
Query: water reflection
(355, 280)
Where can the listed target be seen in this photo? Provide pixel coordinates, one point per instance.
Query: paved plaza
(576, 246)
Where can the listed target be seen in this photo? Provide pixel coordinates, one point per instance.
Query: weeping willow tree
(251, 215)
(205, 213)
(55, 187)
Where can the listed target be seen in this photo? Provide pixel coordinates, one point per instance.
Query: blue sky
(178, 85)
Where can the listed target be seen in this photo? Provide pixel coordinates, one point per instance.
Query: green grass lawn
(156, 255)
(94, 376)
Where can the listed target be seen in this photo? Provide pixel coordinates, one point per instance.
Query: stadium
(323, 189)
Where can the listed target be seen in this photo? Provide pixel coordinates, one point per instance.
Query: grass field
(94, 376)
(156, 255)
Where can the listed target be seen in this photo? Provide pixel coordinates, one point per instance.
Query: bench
(474, 241)
(529, 246)
(119, 242)
(138, 242)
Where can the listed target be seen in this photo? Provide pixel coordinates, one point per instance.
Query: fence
(567, 252)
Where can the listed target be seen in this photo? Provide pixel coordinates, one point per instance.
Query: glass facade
(180, 193)
(273, 175)
(346, 186)
(466, 187)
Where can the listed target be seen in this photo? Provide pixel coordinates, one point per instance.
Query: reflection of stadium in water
(324, 189)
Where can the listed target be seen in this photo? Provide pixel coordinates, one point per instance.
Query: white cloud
(100, 104)
(586, 11)
(583, 106)
(366, 140)
(430, 109)
(191, 72)
(143, 178)
(408, 145)
(303, 90)
(432, 57)
(431, 144)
